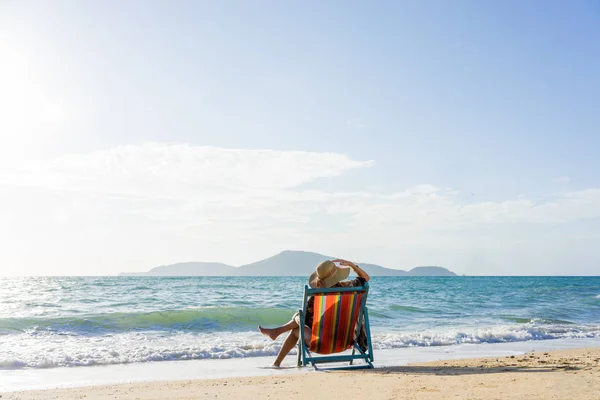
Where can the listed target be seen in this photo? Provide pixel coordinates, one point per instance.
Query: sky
(462, 134)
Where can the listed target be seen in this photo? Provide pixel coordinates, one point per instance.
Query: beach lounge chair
(338, 316)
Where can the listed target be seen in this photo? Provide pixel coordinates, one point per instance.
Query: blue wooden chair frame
(304, 354)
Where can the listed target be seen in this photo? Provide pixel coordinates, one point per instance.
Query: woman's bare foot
(268, 332)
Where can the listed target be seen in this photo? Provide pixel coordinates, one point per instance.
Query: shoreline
(564, 374)
(157, 373)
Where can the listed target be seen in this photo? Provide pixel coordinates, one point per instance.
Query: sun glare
(54, 111)
(29, 111)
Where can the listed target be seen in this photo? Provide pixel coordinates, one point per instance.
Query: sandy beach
(562, 374)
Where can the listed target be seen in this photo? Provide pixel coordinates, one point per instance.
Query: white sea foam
(496, 334)
(49, 350)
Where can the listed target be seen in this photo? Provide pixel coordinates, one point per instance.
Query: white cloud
(179, 171)
(205, 201)
(216, 184)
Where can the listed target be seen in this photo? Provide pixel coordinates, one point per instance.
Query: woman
(327, 275)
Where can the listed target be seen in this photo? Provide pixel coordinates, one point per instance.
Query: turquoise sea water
(73, 321)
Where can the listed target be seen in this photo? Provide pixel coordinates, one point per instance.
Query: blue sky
(465, 133)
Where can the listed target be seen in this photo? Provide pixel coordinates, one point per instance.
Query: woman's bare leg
(289, 344)
(274, 333)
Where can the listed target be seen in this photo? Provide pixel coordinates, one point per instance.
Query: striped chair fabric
(334, 321)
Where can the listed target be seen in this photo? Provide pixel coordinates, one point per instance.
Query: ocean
(50, 322)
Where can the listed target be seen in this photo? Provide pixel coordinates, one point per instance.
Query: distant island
(286, 263)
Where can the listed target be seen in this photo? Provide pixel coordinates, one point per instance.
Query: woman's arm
(359, 271)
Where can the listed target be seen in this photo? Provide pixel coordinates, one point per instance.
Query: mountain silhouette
(286, 263)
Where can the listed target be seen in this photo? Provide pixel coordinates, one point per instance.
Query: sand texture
(566, 374)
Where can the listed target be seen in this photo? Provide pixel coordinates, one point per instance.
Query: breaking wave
(201, 320)
(47, 350)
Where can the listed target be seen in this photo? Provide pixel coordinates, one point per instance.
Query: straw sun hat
(329, 274)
